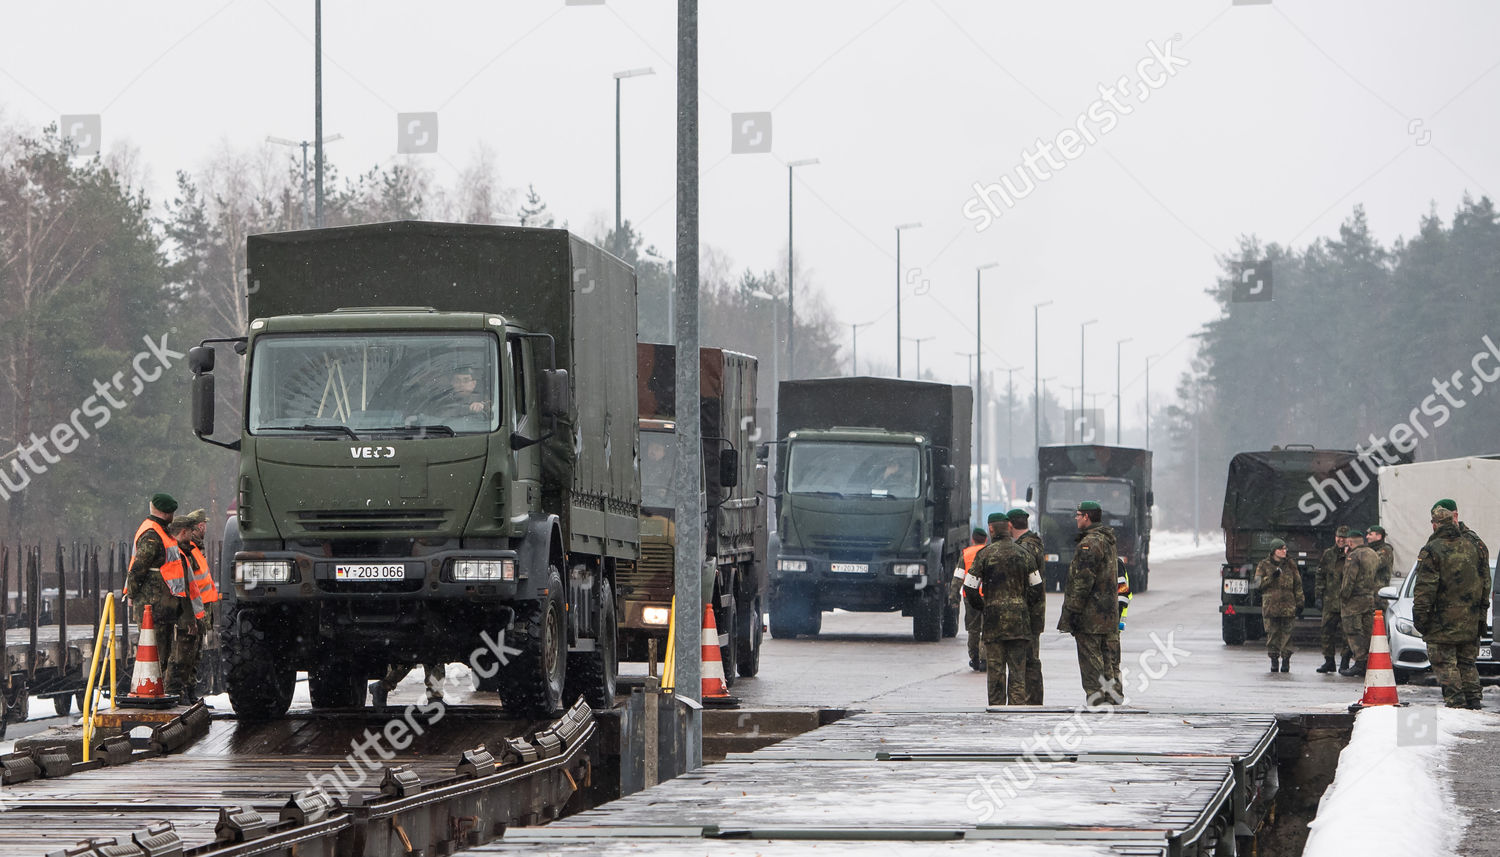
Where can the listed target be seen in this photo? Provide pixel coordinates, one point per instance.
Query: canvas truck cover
(726, 384)
(1279, 490)
(1407, 492)
(544, 280)
(1120, 462)
(942, 412)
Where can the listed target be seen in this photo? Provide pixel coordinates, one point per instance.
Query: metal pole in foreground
(979, 388)
(1119, 410)
(791, 293)
(1036, 392)
(898, 291)
(689, 465)
(318, 113)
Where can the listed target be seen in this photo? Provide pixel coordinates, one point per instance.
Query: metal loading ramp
(1045, 781)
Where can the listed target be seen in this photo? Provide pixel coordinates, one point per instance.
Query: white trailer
(1407, 492)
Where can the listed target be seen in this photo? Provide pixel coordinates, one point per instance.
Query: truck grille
(852, 547)
(652, 575)
(367, 521)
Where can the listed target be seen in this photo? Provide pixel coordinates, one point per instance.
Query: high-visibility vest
(969, 553)
(173, 555)
(201, 584)
(174, 572)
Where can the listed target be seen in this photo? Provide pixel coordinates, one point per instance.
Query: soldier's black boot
(1344, 663)
(1275, 663)
(1327, 666)
(1286, 664)
(1355, 669)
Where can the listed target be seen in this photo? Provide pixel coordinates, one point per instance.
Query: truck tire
(1234, 630)
(63, 704)
(927, 619)
(531, 685)
(592, 675)
(260, 683)
(812, 620)
(728, 656)
(950, 621)
(337, 685)
(786, 618)
(747, 637)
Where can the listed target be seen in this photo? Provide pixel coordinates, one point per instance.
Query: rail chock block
(158, 840)
(548, 744)
(476, 763)
(519, 751)
(400, 781)
(113, 750)
(18, 768)
(307, 806)
(53, 761)
(241, 824)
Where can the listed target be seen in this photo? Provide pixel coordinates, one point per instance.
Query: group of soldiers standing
(1349, 575)
(1006, 599)
(169, 573)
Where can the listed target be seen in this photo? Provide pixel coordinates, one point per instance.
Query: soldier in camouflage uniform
(973, 619)
(1449, 601)
(1280, 585)
(187, 637)
(1386, 576)
(997, 585)
(1330, 581)
(1091, 606)
(143, 581)
(1036, 600)
(1483, 550)
(1357, 597)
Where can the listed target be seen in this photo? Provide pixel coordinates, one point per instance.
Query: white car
(1408, 651)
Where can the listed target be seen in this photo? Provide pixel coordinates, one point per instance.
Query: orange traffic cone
(1380, 679)
(145, 680)
(715, 687)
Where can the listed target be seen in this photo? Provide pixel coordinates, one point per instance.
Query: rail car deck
(1130, 782)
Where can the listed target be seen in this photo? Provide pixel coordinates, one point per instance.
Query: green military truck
(872, 501)
(437, 462)
(1295, 493)
(734, 568)
(1118, 478)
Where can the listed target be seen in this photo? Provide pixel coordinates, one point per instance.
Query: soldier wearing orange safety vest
(157, 574)
(191, 567)
(973, 619)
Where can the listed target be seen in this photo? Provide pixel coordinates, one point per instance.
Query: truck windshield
(853, 469)
(1064, 495)
(413, 383)
(658, 457)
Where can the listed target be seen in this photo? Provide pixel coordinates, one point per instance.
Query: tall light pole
(303, 145)
(978, 477)
(1036, 368)
(791, 295)
(619, 76)
(919, 342)
(1149, 358)
(775, 343)
(1118, 409)
(979, 376)
(899, 286)
(854, 339)
(318, 112)
(1082, 329)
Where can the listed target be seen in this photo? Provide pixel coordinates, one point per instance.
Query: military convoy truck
(734, 568)
(1295, 493)
(437, 462)
(872, 501)
(1119, 479)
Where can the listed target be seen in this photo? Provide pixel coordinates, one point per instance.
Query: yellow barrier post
(90, 706)
(669, 660)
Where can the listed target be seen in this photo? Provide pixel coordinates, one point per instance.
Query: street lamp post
(1148, 400)
(919, 342)
(979, 376)
(899, 285)
(791, 295)
(1082, 329)
(854, 339)
(1118, 409)
(1036, 392)
(775, 343)
(619, 76)
(303, 145)
(978, 471)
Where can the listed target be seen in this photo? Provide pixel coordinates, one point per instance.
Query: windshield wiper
(445, 431)
(820, 494)
(336, 427)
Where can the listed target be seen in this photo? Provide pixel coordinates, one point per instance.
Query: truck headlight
(656, 615)
(1052, 557)
(908, 569)
(791, 565)
(263, 571)
(484, 569)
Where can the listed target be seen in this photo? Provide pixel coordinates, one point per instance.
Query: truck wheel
(16, 706)
(1145, 579)
(786, 618)
(747, 637)
(531, 685)
(1234, 630)
(62, 704)
(592, 675)
(950, 621)
(728, 657)
(260, 683)
(812, 620)
(336, 685)
(927, 619)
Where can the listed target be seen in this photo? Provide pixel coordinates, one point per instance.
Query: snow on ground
(1178, 544)
(1396, 750)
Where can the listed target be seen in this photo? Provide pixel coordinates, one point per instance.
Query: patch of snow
(1178, 544)
(1394, 750)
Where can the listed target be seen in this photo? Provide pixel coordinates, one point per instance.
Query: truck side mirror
(203, 398)
(555, 393)
(945, 477)
(763, 452)
(1150, 499)
(1028, 493)
(201, 359)
(729, 467)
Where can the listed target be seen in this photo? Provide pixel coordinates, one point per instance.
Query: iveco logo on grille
(372, 452)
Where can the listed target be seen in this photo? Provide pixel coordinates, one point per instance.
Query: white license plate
(849, 567)
(392, 571)
(1485, 654)
(1236, 586)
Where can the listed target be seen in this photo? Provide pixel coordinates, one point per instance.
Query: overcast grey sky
(1277, 120)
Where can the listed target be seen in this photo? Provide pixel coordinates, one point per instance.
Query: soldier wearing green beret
(997, 586)
(1091, 606)
(1357, 598)
(1329, 583)
(1036, 599)
(1280, 585)
(1449, 600)
(973, 617)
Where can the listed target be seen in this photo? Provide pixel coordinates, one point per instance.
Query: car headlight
(1406, 628)
(791, 565)
(484, 569)
(908, 569)
(263, 571)
(656, 615)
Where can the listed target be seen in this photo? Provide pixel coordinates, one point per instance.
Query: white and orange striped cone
(1380, 678)
(146, 686)
(715, 687)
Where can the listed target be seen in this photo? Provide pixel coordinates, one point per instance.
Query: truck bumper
(427, 578)
(871, 587)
